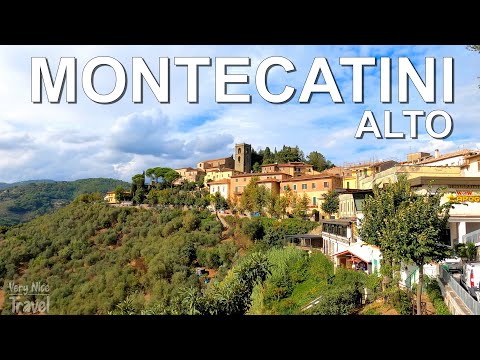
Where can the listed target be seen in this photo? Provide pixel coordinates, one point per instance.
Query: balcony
(338, 238)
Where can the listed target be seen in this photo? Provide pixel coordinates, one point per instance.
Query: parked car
(471, 278)
(453, 265)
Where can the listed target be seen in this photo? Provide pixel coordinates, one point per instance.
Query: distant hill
(20, 202)
(10, 185)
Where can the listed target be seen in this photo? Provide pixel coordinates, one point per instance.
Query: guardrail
(463, 294)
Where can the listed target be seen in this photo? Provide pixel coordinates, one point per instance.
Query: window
(348, 185)
(304, 186)
(236, 189)
(239, 151)
(244, 187)
(314, 185)
(325, 184)
(236, 180)
(364, 172)
(314, 200)
(285, 187)
(239, 158)
(295, 187)
(274, 177)
(244, 179)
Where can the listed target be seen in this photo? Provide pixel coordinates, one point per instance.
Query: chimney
(437, 153)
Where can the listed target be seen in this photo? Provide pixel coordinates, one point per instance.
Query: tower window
(239, 159)
(239, 150)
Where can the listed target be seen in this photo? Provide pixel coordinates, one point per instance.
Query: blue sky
(72, 141)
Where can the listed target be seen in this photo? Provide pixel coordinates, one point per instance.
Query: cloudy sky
(72, 141)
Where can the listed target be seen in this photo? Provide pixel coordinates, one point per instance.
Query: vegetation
(24, 202)
(435, 296)
(406, 226)
(289, 154)
(331, 202)
(93, 256)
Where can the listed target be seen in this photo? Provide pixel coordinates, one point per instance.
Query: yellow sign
(465, 196)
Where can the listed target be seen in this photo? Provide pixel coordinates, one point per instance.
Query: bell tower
(243, 157)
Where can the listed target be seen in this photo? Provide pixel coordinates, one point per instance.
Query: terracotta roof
(221, 181)
(368, 164)
(186, 168)
(223, 158)
(219, 170)
(311, 177)
(290, 164)
(448, 156)
(336, 170)
(259, 174)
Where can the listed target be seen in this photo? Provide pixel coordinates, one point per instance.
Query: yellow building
(111, 198)
(214, 174)
(364, 170)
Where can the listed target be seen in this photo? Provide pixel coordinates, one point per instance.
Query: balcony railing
(339, 238)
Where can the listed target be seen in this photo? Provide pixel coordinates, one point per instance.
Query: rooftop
(464, 152)
(221, 181)
(223, 158)
(312, 177)
(368, 163)
(260, 174)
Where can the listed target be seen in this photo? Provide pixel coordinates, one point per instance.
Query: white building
(221, 186)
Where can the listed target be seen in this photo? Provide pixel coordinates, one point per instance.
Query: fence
(463, 294)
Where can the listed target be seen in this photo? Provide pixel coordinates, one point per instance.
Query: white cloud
(69, 141)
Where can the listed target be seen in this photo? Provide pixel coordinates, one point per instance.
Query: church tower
(243, 157)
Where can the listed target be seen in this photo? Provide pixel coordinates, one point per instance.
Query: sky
(69, 141)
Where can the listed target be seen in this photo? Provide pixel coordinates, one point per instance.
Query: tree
(418, 228)
(257, 157)
(257, 168)
(119, 193)
(254, 198)
(330, 203)
(318, 161)
(474, 48)
(406, 226)
(300, 205)
(138, 185)
(268, 157)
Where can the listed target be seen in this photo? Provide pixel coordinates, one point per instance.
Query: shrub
(253, 229)
(400, 300)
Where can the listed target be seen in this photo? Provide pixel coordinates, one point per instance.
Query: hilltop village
(308, 189)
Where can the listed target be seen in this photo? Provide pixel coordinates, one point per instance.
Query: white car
(471, 278)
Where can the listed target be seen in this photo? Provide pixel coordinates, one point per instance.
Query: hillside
(21, 202)
(93, 256)
(19, 183)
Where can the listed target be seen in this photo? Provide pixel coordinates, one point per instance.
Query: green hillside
(27, 200)
(93, 255)
(10, 185)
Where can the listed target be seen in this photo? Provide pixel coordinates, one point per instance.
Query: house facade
(188, 174)
(239, 182)
(221, 186)
(314, 186)
(214, 174)
(362, 170)
(227, 162)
